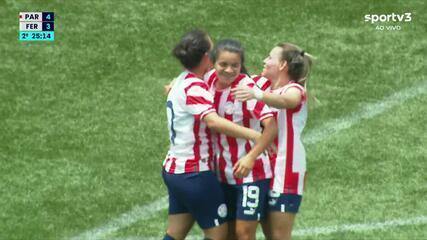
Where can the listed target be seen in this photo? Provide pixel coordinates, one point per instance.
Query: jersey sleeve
(198, 100)
(297, 86)
(258, 110)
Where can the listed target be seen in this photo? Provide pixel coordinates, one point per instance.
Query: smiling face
(273, 64)
(228, 66)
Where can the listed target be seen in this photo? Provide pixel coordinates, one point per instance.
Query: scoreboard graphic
(36, 26)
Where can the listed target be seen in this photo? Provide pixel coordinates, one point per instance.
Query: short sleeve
(199, 101)
(297, 86)
(302, 91)
(258, 109)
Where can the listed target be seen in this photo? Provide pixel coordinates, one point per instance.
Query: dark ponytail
(190, 50)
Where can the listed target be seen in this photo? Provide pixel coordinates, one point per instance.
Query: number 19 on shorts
(250, 199)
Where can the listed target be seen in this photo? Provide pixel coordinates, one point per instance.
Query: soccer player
(194, 192)
(287, 68)
(245, 179)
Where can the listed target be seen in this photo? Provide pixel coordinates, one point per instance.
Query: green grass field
(83, 125)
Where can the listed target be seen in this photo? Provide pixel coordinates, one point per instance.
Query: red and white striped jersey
(289, 166)
(190, 142)
(262, 82)
(248, 114)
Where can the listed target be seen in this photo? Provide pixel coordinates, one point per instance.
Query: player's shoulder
(187, 83)
(190, 79)
(294, 87)
(244, 79)
(195, 86)
(210, 74)
(209, 77)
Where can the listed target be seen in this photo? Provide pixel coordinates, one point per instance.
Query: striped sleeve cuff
(209, 110)
(265, 115)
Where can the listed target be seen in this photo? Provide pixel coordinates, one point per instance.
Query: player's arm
(289, 99)
(224, 126)
(245, 164)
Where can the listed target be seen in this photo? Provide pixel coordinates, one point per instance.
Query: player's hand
(167, 88)
(242, 167)
(243, 93)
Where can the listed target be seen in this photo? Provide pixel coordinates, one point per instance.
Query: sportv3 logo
(393, 17)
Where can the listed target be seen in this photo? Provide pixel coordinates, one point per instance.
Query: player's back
(190, 145)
